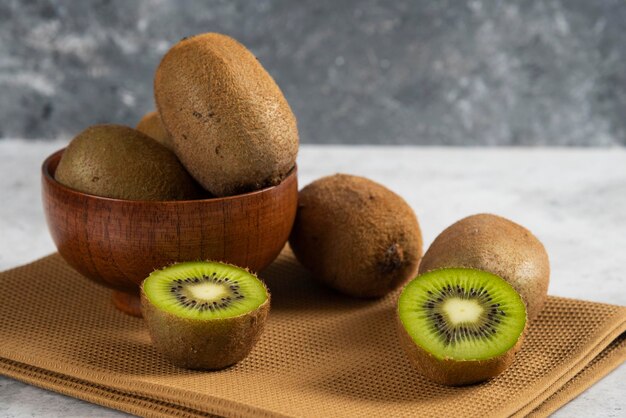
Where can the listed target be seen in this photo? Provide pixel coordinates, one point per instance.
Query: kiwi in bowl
(229, 122)
(123, 163)
(151, 125)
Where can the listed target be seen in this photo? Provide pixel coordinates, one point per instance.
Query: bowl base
(129, 303)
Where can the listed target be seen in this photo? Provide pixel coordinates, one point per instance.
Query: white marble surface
(573, 199)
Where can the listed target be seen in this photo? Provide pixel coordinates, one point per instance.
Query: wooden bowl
(117, 243)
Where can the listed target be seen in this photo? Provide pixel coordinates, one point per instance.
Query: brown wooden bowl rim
(45, 169)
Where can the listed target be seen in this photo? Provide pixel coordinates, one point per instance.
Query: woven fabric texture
(322, 354)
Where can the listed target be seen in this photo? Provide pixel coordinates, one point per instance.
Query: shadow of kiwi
(123, 349)
(131, 353)
(293, 287)
(118, 344)
(300, 331)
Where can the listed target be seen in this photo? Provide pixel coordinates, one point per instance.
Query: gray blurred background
(374, 72)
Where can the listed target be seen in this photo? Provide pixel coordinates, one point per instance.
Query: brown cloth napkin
(322, 354)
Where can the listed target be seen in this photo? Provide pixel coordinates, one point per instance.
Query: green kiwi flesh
(460, 326)
(204, 315)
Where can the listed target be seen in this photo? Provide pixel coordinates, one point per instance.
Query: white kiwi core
(208, 291)
(462, 310)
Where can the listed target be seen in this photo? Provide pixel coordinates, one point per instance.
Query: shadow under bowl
(118, 243)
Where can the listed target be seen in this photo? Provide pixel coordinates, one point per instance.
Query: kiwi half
(204, 315)
(460, 326)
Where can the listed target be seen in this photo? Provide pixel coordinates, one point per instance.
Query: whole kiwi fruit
(120, 162)
(151, 125)
(229, 122)
(356, 235)
(204, 314)
(497, 245)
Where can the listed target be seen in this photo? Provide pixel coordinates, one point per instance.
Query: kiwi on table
(229, 122)
(204, 315)
(151, 125)
(500, 246)
(460, 326)
(123, 163)
(356, 236)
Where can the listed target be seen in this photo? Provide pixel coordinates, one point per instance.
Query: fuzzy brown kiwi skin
(120, 162)
(497, 245)
(229, 122)
(204, 344)
(356, 236)
(151, 125)
(453, 372)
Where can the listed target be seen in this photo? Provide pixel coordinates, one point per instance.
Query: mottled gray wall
(378, 71)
